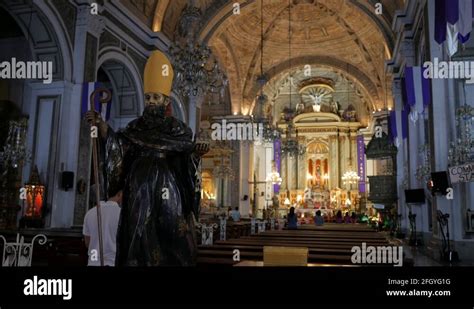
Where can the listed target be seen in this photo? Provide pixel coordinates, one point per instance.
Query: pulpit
(383, 188)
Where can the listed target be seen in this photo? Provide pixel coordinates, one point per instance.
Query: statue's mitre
(158, 74)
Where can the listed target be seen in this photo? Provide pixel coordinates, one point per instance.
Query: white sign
(462, 173)
(379, 206)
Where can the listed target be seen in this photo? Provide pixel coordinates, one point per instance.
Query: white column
(268, 170)
(332, 162)
(284, 174)
(443, 124)
(401, 160)
(302, 171)
(293, 176)
(244, 206)
(193, 103)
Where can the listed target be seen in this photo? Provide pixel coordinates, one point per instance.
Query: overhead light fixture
(274, 176)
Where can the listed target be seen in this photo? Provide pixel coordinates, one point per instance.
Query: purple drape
(393, 125)
(452, 11)
(410, 86)
(277, 158)
(440, 21)
(404, 114)
(361, 162)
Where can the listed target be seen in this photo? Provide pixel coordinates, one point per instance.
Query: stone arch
(325, 61)
(45, 35)
(130, 86)
(219, 12)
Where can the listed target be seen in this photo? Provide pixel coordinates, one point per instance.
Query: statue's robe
(153, 161)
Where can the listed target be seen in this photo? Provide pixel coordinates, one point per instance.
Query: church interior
(311, 106)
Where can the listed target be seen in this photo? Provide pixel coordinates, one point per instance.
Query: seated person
(353, 218)
(347, 218)
(235, 214)
(318, 220)
(364, 218)
(339, 217)
(292, 219)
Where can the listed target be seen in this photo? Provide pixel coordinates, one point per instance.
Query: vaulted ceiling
(347, 36)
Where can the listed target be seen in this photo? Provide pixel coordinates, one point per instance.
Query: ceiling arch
(335, 33)
(222, 10)
(320, 61)
(346, 35)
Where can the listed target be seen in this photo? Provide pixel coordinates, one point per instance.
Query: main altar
(316, 176)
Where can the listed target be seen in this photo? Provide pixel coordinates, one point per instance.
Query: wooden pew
(331, 243)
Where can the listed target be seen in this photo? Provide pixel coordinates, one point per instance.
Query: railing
(207, 233)
(19, 253)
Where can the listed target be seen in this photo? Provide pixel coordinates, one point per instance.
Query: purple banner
(361, 162)
(440, 21)
(392, 120)
(277, 158)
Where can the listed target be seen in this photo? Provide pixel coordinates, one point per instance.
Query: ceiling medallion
(317, 92)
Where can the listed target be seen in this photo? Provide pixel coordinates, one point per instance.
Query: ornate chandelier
(194, 74)
(290, 144)
(461, 151)
(197, 70)
(15, 151)
(423, 171)
(350, 177)
(274, 176)
(270, 132)
(224, 172)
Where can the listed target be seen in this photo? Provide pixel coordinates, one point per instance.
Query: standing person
(318, 220)
(347, 218)
(292, 219)
(110, 215)
(353, 217)
(235, 214)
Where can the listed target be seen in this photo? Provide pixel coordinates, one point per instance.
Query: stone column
(302, 172)
(441, 114)
(401, 158)
(342, 158)
(294, 172)
(192, 112)
(332, 162)
(244, 205)
(88, 30)
(284, 173)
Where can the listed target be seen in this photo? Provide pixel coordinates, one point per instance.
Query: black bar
(242, 285)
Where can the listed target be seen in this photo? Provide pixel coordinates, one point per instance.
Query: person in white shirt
(235, 214)
(110, 215)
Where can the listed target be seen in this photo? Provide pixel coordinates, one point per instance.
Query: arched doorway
(30, 34)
